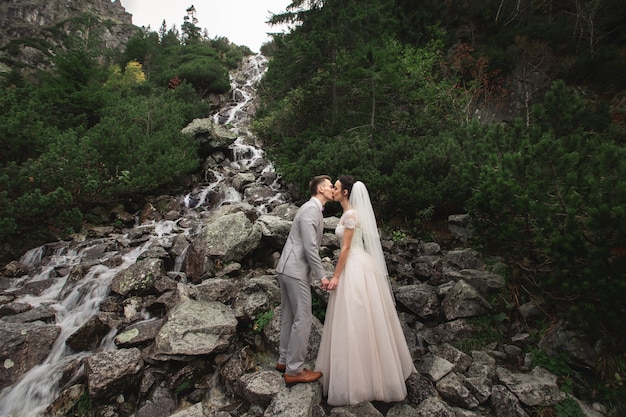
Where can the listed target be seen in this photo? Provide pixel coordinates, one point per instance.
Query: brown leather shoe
(303, 376)
(281, 367)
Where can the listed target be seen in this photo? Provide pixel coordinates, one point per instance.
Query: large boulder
(139, 278)
(257, 295)
(538, 387)
(222, 240)
(195, 328)
(421, 299)
(23, 346)
(462, 300)
(110, 373)
(274, 230)
(139, 333)
(210, 136)
(299, 401)
(89, 335)
(260, 387)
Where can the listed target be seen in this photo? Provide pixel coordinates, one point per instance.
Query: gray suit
(299, 265)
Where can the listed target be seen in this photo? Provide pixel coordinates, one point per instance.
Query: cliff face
(31, 29)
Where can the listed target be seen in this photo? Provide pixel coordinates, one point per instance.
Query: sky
(241, 21)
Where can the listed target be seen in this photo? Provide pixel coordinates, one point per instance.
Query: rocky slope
(31, 29)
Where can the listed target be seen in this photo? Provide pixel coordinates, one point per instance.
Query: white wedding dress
(363, 353)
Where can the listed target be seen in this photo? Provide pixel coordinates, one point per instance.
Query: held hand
(324, 283)
(332, 285)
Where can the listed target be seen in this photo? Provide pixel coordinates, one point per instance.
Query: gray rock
(421, 299)
(109, 373)
(256, 194)
(240, 363)
(464, 301)
(67, 400)
(218, 289)
(14, 269)
(430, 249)
(419, 388)
(195, 410)
(401, 410)
(274, 230)
(160, 404)
(222, 240)
(460, 226)
(139, 333)
(434, 407)
(479, 370)
(480, 387)
(435, 367)
(89, 335)
(566, 338)
(286, 211)
(539, 387)
(461, 412)
(259, 387)
(448, 332)
(301, 400)
(364, 409)
(242, 179)
(24, 313)
(256, 296)
(195, 328)
(210, 136)
(486, 283)
(461, 360)
(484, 358)
(23, 346)
(505, 403)
(138, 278)
(531, 311)
(463, 259)
(452, 388)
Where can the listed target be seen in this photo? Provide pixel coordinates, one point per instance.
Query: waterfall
(74, 303)
(246, 153)
(32, 394)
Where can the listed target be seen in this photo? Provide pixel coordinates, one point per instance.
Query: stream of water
(75, 303)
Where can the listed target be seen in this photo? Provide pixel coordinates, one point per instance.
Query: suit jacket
(300, 258)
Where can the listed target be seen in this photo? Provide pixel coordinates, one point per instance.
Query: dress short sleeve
(350, 220)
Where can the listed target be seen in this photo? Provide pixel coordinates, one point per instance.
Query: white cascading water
(245, 155)
(74, 306)
(32, 394)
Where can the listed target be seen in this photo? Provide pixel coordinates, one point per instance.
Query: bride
(363, 354)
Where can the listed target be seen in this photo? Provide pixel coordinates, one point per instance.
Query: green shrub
(568, 408)
(486, 331)
(83, 408)
(554, 194)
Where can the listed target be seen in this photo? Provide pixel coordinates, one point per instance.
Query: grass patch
(487, 332)
(262, 321)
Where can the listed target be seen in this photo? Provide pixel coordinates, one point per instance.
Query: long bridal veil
(360, 202)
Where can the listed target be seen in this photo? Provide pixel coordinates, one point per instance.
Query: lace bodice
(349, 220)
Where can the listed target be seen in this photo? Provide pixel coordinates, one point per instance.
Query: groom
(299, 265)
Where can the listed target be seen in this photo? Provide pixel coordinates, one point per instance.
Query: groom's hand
(324, 283)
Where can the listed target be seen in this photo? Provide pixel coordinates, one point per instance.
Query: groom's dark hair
(316, 181)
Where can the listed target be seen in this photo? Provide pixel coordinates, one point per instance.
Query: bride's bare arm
(343, 255)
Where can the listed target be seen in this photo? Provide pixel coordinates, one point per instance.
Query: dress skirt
(363, 353)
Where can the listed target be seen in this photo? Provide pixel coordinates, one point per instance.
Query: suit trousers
(296, 318)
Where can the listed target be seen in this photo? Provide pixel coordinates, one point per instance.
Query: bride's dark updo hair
(347, 181)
